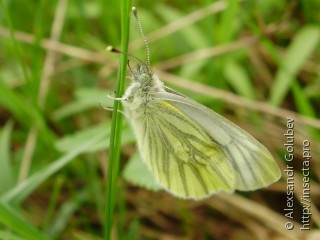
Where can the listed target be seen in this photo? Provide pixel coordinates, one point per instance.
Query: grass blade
(20, 192)
(27, 114)
(303, 44)
(6, 171)
(115, 138)
(238, 78)
(13, 38)
(9, 236)
(12, 220)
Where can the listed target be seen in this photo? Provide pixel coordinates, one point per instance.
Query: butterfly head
(142, 74)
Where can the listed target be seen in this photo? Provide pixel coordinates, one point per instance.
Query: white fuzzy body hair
(141, 92)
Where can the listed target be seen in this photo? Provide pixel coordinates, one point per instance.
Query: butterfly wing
(182, 157)
(253, 164)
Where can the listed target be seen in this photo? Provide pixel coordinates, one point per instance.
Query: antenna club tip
(109, 48)
(112, 49)
(134, 10)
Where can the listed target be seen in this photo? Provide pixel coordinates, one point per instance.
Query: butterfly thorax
(141, 93)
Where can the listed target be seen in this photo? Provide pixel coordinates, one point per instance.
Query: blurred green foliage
(52, 148)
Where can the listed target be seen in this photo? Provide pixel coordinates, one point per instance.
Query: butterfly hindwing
(181, 155)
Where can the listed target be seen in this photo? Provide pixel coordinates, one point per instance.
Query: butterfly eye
(144, 77)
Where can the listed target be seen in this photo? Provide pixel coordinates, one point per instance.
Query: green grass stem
(115, 137)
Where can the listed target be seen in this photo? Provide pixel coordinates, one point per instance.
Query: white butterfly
(191, 150)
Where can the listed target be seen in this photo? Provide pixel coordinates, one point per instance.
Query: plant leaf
(137, 172)
(302, 45)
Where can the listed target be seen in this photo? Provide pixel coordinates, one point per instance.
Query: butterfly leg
(105, 108)
(111, 109)
(115, 98)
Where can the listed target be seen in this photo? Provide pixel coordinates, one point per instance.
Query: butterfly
(191, 150)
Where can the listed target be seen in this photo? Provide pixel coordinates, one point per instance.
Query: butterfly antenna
(112, 49)
(135, 13)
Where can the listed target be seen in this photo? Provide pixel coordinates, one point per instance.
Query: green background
(254, 62)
